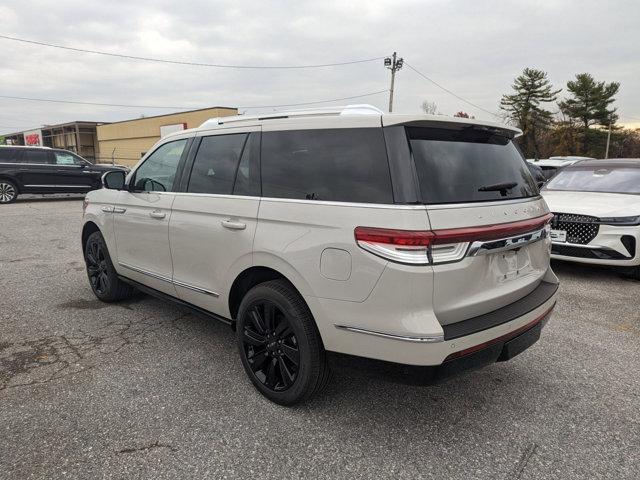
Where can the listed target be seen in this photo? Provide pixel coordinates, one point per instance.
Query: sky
(472, 48)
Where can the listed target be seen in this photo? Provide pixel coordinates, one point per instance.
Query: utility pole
(394, 64)
(606, 152)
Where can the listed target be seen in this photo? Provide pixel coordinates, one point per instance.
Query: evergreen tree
(532, 89)
(590, 104)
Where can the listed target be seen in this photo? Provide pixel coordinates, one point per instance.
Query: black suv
(46, 170)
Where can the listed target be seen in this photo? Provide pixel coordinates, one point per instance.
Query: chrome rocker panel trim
(169, 280)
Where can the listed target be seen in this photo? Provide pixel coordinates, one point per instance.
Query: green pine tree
(590, 105)
(532, 89)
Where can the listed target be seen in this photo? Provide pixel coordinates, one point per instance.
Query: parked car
(553, 165)
(46, 170)
(596, 205)
(409, 239)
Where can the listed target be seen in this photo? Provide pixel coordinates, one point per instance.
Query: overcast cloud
(474, 48)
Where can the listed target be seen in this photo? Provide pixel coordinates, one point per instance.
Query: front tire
(280, 347)
(103, 277)
(8, 191)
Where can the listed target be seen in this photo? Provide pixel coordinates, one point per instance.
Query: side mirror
(114, 180)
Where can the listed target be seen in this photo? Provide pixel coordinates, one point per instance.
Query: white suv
(412, 239)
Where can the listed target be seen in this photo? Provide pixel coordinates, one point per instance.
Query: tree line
(574, 122)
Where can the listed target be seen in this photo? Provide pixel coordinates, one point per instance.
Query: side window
(36, 156)
(248, 174)
(158, 172)
(65, 158)
(8, 155)
(215, 165)
(343, 165)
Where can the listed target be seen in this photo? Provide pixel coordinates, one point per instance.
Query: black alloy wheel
(280, 346)
(97, 267)
(102, 275)
(270, 346)
(8, 191)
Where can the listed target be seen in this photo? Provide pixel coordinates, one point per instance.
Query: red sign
(33, 139)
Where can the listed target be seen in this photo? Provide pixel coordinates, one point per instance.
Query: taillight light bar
(423, 247)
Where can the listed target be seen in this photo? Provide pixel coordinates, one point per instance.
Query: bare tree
(430, 108)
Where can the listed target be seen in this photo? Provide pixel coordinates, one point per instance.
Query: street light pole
(606, 152)
(394, 64)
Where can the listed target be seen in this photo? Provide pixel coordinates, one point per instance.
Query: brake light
(85, 204)
(404, 246)
(422, 247)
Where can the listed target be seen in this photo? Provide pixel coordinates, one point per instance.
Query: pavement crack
(528, 452)
(150, 446)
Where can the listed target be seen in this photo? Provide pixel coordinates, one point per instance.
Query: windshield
(595, 178)
(469, 165)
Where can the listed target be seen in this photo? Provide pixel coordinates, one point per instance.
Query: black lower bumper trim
(427, 375)
(540, 295)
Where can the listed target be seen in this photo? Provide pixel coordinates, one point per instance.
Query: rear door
(479, 192)
(213, 219)
(37, 171)
(141, 217)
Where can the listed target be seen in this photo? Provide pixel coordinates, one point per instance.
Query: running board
(170, 298)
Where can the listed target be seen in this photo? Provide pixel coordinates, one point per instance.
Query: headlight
(621, 220)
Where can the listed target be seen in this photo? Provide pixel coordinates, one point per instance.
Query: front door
(73, 172)
(142, 216)
(213, 221)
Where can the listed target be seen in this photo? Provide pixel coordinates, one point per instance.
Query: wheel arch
(249, 278)
(4, 176)
(88, 228)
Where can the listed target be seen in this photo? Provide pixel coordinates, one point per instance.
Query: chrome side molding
(494, 246)
(403, 338)
(169, 280)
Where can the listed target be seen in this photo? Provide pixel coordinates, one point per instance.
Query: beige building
(127, 141)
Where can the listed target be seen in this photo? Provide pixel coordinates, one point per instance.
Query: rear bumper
(486, 332)
(498, 351)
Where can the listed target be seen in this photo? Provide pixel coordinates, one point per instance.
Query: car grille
(580, 229)
(580, 252)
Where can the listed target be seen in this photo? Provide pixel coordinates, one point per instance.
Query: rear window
(343, 165)
(8, 155)
(468, 165)
(598, 178)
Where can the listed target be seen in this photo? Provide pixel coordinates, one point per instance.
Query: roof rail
(361, 109)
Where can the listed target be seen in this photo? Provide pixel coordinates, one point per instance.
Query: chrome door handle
(157, 214)
(119, 210)
(107, 209)
(233, 225)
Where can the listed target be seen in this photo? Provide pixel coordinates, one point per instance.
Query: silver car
(408, 239)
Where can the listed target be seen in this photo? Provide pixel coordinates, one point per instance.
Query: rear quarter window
(342, 165)
(468, 165)
(8, 155)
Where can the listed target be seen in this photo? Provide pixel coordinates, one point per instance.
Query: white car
(596, 207)
(550, 166)
(411, 239)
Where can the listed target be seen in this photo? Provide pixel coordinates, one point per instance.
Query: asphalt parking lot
(146, 390)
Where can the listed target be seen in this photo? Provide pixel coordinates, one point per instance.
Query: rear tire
(279, 343)
(8, 191)
(103, 277)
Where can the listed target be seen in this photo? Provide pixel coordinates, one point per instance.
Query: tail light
(423, 247)
(85, 204)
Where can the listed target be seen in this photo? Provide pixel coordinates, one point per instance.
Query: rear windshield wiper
(499, 187)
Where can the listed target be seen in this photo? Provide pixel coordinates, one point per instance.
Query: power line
(77, 102)
(193, 64)
(316, 102)
(51, 100)
(449, 91)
